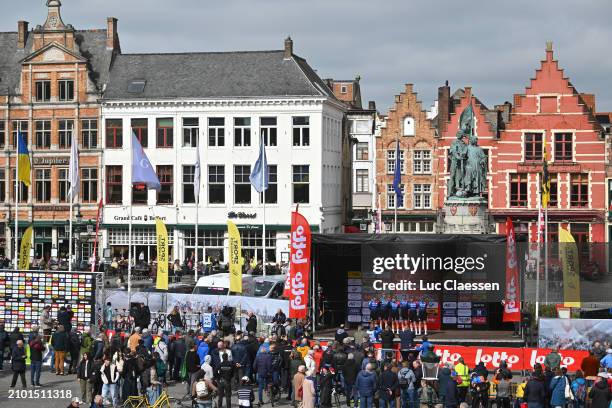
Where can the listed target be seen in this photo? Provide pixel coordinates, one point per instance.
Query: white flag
(73, 170)
(196, 179)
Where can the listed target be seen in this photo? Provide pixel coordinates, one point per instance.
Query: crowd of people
(362, 370)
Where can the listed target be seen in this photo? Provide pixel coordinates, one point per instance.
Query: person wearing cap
(600, 392)
(246, 396)
(76, 402)
(298, 382)
(133, 340)
(606, 362)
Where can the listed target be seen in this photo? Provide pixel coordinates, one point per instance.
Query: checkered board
(24, 294)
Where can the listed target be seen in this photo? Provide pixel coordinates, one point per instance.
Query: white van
(271, 286)
(218, 284)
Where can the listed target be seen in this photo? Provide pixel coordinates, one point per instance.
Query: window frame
(563, 154)
(216, 181)
(113, 186)
(421, 193)
(391, 196)
(362, 154)
(518, 181)
(269, 131)
(89, 134)
(272, 190)
(187, 180)
(391, 161)
(24, 190)
(216, 132)
(190, 131)
(242, 133)
(531, 146)
(579, 193)
(301, 131)
(43, 185)
(165, 173)
(3, 139)
(422, 159)
(141, 131)
(242, 184)
(89, 185)
(42, 135)
(63, 184)
(405, 129)
(65, 130)
(362, 184)
(297, 172)
(3, 182)
(16, 127)
(42, 86)
(68, 87)
(164, 133)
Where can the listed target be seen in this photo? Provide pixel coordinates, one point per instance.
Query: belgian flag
(545, 188)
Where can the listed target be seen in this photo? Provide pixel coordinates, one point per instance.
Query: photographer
(227, 320)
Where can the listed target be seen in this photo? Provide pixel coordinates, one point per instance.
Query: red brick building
(550, 109)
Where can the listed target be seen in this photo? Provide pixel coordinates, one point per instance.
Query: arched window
(408, 126)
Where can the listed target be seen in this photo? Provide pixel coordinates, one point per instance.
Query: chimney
(288, 48)
(22, 34)
(112, 37)
(443, 107)
(549, 50)
(372, 105)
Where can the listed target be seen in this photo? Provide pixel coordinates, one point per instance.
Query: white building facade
(298, 119)
(362, 126)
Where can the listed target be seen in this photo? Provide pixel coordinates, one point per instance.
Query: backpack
(403, 377)
(277, 361)
(202, 389)
(580, 392)
(160, 367)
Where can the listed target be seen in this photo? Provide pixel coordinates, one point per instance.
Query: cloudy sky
(491, 45)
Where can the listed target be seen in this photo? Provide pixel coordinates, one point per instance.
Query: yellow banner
(235, 258)
(570, 262)
(162, 255)
(24, 253)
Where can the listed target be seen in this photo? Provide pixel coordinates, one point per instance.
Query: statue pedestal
(465, 216)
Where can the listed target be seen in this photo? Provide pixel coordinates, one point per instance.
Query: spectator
(84, 375)
(46, 322)
(387, 337)
(207, 368)
(325, 387)
(444, 376)
(451, 399)
(64, 318)
(14, 337)
(225, 374)
(147, 340)
(298, 384)
(36, 355)
(427, 395)
(407, 383)
(308, 391)
(366, 385)
(557, 389)
(503, 391)
(606, 362)
(463, 371)
(406, 342)
(4, 342)
(579, 389)
(59, 342)
(202, 392)
(74, 348)
(246, 397)
(18, 364)
(87, 342)
(600, 392)
(192, 362)
(175, 319)
(341, 334)
(262, 367)
(552, 360)
(590, 365)
(98, 402)
(481, 370)
(134, 339)
(178, 349)
(251, 325)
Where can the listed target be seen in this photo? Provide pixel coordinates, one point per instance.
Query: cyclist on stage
(422, 316)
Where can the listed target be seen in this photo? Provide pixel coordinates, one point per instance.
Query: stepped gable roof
(213, 75)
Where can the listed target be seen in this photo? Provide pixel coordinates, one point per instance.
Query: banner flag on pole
(73, 170)
(162, 254)
(570, 263)
(24, 252)
(23, 157)
(299, 266)
(512, 299)
(258, 180)
(142, 170)
(397, 178)
(545, 176)
(235, 258)
(197, 175)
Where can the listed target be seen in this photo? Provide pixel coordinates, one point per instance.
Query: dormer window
(408, 126)
(137, 86)
(43, 91)
(343, 89)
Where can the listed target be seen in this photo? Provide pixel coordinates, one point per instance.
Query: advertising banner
(577, 334)
(299, 266)
(512, 301)
(568, 252)
(24, 251)
(161, 281)
(235, 258)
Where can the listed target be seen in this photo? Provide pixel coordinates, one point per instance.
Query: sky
(491, 45)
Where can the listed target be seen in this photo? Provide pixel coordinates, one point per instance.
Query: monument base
(465, 216)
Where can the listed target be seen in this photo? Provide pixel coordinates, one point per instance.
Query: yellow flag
(162, 254)
(24, 253)
(570, 262)
(235, 258)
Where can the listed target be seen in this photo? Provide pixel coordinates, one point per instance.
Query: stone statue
(468, 162)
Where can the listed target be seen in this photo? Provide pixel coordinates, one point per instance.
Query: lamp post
(77, 230)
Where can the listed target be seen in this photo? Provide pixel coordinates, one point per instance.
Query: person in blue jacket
(366, 384)
(203, 350)
(557, 389)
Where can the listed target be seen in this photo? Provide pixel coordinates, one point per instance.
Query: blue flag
(260, 174)
(397, 178)
(142, 171)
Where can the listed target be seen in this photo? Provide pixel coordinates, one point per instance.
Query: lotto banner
(24, 252)
(299, 266)
(162, 255)
(235, 258)
(512, 301)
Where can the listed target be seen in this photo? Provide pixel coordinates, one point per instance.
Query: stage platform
(453, 337)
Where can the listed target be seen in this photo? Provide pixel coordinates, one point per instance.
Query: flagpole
(17, 197)
(129, 282)
(538, 260)
(195, 266)
(546, 253)
(70, 236)
(263, 184)
(395, 214)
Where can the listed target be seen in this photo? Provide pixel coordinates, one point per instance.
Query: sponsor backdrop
(577, 334)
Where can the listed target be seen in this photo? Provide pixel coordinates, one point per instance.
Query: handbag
(568, 392)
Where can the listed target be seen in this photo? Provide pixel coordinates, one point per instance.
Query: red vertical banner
(94, 254)
(299, 266)
(512, 298)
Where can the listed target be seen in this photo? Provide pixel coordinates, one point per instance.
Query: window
(43, 134)
(191, 130)
(23, 189)
(554, 197)
(362, 184)
(391, 161)
(114, 185)
(272, 190)
(19, 126)
(301, 178)
(421, 196)
(421, 161)
(140, 127)
(391, 196)
(301, 131)
(66, 90)
(242, 184)
(533, 146)
(89, 185)
(579, 196)
(43, 185)
(518, 190)
(343, 89)
(66, 127)
(362, 150)
(580, 232)
(63, 185)
(268, 130)
(43, 91)
(216, 132)
(216, 184)
(137, 86)
(165, 132)
(242, 132)
(140, 194)
(2, 185)
(188, 187)
(408, 126)
(563, 147)
(114, 133)
(166, 179)
(2, 134)
(418, 226)
(89, 133)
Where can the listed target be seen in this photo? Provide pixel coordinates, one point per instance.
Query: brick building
(51, 81)
(408, 123)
